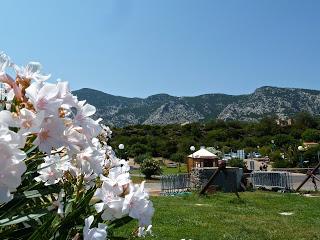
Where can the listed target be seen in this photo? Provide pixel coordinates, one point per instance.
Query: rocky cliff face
(164, 109)
(283, 102)
(173, 112)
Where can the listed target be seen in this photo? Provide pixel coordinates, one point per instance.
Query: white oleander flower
(108, 190)
(14, 142)
(32, 71)
(30, 122)
(44, 98)
(58, 204)
(52, 170)
(12, 165)
(99, 233)
(138, 206)
(90, 160)
(89, 180)
(8, 119)
(112, 209)
(50, 135)
(75, 140)
(90, 127)
(64, 93)
(121, 179)
(10, 176)
(27, 121)
(111, 204)
(119, 171)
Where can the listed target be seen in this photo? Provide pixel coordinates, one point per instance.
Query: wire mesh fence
(175, 183)
(272, 179)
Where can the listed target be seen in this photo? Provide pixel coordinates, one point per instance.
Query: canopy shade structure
(203, 153)
(202, 158)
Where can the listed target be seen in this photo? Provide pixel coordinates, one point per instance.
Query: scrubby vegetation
(278, 140)
(150, 167)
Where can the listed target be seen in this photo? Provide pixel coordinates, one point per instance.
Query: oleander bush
(59, 178)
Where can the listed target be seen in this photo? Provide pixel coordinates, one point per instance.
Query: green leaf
(17, 234)
(44, 232)
(31, 149)
(21, 218)
(40, 192)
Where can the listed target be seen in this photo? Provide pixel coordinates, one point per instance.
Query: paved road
(153, 188)
(298, 178)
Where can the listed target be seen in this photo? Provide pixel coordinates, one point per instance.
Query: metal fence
(174, 184)
(272, 179)
(297, 170)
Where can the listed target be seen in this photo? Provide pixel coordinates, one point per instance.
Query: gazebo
(202, 158)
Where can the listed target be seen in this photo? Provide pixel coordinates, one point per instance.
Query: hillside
(162, 109)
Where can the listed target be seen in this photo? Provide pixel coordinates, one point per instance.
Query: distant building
(185, 123)
(283, 122)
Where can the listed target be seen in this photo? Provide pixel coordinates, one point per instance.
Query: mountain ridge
(162, 109)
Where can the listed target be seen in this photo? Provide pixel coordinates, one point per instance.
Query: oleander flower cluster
(44, 124)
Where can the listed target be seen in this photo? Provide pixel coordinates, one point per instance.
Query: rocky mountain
(164, 109)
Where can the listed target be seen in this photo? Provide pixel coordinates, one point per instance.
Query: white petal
(99, 207)
(88, 221)
(88, 110)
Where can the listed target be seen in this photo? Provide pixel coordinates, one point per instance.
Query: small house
(202, 158)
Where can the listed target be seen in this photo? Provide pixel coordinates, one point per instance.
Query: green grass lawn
(136, 179)
(166, 170)
(222, 216)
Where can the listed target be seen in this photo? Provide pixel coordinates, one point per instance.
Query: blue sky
(136, 48)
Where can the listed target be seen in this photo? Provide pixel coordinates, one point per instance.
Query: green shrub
(236, 162)
(276, 156)
(150, 167)
(281, 163)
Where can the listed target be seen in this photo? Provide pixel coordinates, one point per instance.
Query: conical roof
(203, 153)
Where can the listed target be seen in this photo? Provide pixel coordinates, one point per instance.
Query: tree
(267, 126)
(150, 167)
(169, 148)
(138, 149)
(178, 157)
(305, 120)
(312, 155)
(311, 135)
(282, 140)
(265, 150)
